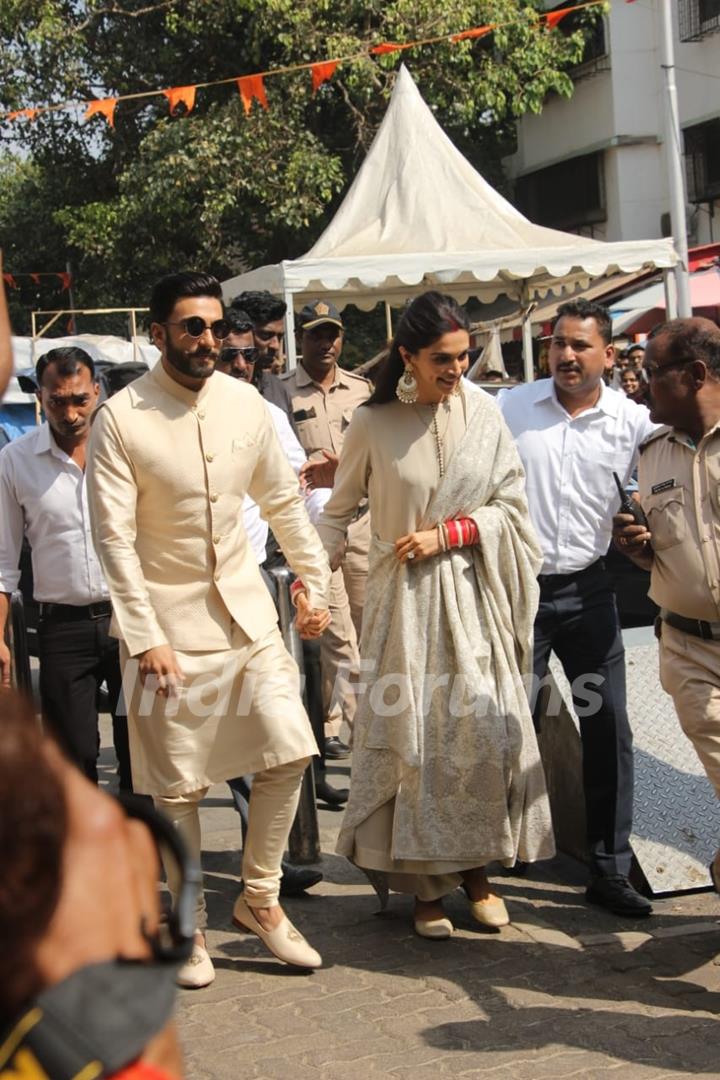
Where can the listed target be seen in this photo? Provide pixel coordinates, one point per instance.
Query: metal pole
(527, 340)
(388, 321)
(71, 297)
(133, 333)
(304, 842)
(290, 350)
(670, 287)
(673, 154)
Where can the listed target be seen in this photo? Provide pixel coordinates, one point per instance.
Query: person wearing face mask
(325, 397)
(43, 496)
(572, 433)
(88, 983)
(446, 775)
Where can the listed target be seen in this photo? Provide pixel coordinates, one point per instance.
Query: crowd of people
(443, 544)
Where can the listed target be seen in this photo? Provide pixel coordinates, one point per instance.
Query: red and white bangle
(296, 588)
(461, 532)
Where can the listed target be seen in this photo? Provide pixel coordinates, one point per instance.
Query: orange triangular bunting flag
(388, 47)
(321, 73)
(105, 107)
(478, 32)
(35, 278)
(554, 17)
(22, 114)
(181, 95)
(252, 88)
(10, 281)
(65, 280)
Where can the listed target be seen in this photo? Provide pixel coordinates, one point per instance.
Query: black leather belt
(708, 631)
(102, 609)
(560, 579)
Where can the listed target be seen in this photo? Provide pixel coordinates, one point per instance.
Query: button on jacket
(168, 471)
(569, 462)
(679, 487)
(43, 495)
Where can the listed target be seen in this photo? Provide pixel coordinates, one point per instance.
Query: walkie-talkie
(630, 506)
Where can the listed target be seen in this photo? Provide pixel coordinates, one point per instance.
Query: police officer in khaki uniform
(324, 398)
(679, 489)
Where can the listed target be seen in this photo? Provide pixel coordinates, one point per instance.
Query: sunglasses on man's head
(249, 355)
(195, 326)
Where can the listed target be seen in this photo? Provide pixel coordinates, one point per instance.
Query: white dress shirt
(569, 462)
(43, 495)
(255, 527)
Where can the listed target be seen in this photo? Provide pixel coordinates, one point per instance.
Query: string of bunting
(65, 278)
(252, 87)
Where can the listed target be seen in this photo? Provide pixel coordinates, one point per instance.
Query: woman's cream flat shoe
(434, 928)
(490, 912)
(284, 941)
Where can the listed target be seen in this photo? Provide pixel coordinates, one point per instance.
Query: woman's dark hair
(425, 319)
(33, 826)
(173, 287)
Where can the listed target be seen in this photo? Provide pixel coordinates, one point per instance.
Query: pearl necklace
(433, 427)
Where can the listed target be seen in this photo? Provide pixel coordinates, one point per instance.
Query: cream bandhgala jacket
(168, 470)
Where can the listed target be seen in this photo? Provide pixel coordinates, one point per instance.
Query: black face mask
(101, 1017)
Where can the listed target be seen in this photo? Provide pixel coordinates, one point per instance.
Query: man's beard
(191, 364)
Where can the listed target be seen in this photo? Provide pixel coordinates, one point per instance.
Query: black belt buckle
(99, 610)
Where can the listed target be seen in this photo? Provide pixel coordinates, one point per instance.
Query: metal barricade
(17, 641)
(304, 843)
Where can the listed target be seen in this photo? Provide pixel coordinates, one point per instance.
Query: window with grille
(696, 18)
(565, 196)
(702, 161)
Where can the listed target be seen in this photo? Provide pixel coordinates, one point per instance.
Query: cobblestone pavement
(567, 990)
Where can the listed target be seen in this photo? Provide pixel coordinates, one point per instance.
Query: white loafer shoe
(197, 971)
(284, 941)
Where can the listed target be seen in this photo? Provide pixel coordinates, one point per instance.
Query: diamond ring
(411, 554)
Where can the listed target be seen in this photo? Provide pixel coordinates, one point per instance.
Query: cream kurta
(436, 789)
(168, 470)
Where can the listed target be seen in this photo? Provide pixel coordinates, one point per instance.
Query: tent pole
(527, 340)
(290, 350)
(670, 294)
(388, 322)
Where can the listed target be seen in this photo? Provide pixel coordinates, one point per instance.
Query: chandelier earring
(407, 388)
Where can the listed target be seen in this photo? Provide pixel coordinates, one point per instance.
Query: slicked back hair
(173, 287)
(67, 361)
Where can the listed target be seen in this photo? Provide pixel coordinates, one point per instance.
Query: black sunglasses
(249, 355)
(195, 326)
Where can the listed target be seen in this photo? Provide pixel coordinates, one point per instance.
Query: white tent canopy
(419, 216)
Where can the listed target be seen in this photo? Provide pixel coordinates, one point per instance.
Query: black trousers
(76, 655)
(578, 620)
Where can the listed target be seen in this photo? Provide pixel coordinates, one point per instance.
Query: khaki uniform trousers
(690, 673)
(339, 645)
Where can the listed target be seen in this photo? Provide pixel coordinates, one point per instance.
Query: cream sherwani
(168, 470)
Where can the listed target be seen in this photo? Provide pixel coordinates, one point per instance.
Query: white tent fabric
(419, 216)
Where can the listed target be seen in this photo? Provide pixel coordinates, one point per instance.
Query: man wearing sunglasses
(265, 339)
(678, 486)
(172, 459)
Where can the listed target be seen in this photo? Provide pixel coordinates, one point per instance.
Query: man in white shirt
(43, 496)
(573, 432)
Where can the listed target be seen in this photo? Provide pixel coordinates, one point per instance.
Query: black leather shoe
(617, 895)
(336, 749)
(296, 879)
(326, 793)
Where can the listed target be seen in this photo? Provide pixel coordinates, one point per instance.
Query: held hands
(418, 545)
(319, 474)
(159, 668)
(309, 622)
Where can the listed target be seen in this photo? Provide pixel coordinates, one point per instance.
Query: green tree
(216, 188)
